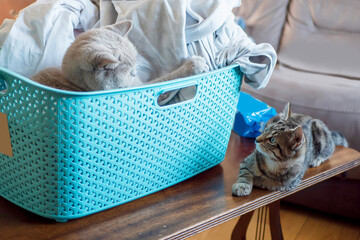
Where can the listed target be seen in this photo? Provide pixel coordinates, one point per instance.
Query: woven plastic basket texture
(75, 154)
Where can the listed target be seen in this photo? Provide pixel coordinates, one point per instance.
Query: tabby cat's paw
(316, 162)
(241, 189)
(196, 65)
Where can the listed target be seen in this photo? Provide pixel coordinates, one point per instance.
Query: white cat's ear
(287, 111)
(99, 62)
(122, 28)
(106, 61)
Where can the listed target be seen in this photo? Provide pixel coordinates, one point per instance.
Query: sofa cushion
(322, 36)
(264, 19)
(333, 14)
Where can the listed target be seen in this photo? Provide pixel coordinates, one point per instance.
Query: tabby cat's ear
(287, 111)
(297, 138)
(122, 28)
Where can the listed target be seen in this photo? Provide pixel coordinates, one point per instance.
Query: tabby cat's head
(102, 59)
(282, 137)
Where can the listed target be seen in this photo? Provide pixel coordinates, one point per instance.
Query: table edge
(264, 200)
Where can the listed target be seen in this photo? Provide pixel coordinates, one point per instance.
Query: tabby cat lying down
(288, 146)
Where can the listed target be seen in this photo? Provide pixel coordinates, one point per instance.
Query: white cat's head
(102, 58)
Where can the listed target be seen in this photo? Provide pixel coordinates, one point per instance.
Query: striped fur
(288, 146)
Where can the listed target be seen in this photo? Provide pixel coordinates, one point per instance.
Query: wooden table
(177, 212)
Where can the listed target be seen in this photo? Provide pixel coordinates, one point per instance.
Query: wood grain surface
(177, 212)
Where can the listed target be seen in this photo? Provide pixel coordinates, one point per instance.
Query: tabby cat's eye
(272, 140)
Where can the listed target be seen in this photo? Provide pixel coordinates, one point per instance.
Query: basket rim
(115, 91)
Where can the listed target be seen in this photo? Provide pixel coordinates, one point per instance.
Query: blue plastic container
(77, 153)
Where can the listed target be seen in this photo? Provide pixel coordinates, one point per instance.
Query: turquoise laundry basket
(77, 153)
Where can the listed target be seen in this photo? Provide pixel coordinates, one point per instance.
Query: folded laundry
(42, 33)
(165, 32)
(168, 31)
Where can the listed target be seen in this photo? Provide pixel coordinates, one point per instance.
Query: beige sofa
(318, 71)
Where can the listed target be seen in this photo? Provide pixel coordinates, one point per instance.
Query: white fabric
(5, 29)
(166, 32)
(42, 33)
(334, 100)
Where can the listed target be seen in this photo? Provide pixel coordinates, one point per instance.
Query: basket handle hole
(177, 96)
(3, 87)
